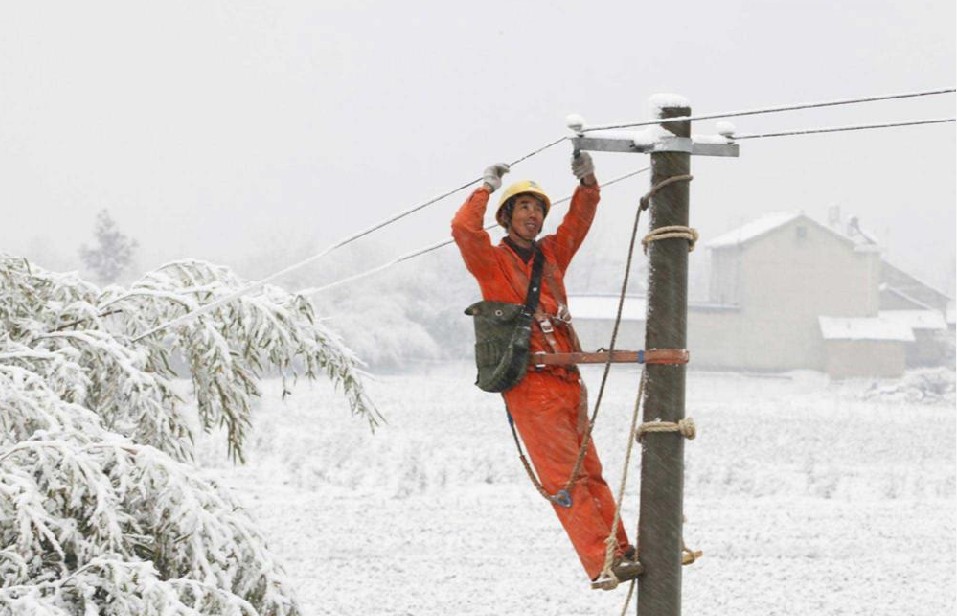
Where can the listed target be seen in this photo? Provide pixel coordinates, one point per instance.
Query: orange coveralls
(548, 406)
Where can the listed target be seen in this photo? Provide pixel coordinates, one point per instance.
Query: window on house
(801, 232)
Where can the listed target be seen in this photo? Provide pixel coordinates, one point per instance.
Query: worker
(548, 405)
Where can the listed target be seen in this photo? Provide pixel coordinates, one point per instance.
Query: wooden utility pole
(660, 544)
(662, 458)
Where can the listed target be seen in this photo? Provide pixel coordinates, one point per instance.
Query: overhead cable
(836, 129)
(347, 240)
(777, 109)
(251, 287)
(437, 245)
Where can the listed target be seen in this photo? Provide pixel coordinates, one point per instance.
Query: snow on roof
(596, 307)
(753, 229)
(864, 328)
(915, 319)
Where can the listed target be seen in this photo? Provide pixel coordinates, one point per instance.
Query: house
(594, 316)
(781, 273)
(864, 346)
(786, 293)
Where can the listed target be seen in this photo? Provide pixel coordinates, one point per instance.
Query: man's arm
(468, 229)
(574, 227)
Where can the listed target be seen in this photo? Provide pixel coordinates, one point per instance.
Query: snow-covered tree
(113, 252)
(101, 510)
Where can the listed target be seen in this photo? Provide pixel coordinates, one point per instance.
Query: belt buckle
(563, 314)
(538, 366)
(546, 326)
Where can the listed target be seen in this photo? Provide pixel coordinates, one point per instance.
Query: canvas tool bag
(503, 332)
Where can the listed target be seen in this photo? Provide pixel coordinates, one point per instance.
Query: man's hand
(493, 176)
(583, 167)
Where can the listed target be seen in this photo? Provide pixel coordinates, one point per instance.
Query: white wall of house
(783, 280)
(864, 358)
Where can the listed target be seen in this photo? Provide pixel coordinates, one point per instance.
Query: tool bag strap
(535, 283)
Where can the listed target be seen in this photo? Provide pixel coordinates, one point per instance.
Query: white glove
(582, 165)
(493, 176)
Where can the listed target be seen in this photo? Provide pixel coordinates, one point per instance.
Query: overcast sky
(216, 129)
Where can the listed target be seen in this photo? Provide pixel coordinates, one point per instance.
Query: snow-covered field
(806, 497)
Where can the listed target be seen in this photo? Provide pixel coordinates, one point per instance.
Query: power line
(436, 246)
(777, 109)
(349, 239)
(400, 215)
(836, 129)
(339, 244)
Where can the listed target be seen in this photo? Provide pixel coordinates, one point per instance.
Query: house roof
(759, 227)
(753, 230)
(887, 290)
(915, 319)
(864, 328)
(909, 286)
(851, 231)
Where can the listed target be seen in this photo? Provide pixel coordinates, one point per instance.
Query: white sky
(220, 129)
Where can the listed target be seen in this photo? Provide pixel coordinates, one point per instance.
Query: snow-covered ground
(806, 497)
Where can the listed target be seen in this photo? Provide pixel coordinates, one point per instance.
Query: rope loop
(685, 427)
(689, 556)
(664, 233)
(646, 200)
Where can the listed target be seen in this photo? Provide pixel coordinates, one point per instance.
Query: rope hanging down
(607, 580)
(562, 497)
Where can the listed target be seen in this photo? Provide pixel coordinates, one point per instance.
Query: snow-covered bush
(928, 386)
(101, 511)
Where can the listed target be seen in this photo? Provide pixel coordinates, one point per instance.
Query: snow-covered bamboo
(101, 511)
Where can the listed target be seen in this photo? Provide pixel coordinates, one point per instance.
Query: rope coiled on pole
(685, 427)
(664, 233)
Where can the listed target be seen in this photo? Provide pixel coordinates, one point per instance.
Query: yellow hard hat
(519, 188)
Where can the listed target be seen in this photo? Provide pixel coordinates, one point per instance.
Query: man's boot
(626, 569)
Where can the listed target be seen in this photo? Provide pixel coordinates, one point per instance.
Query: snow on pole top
(575, 122)
(725, 128)
(657, 102)
(650, 135)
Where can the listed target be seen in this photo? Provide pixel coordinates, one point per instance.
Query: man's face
(528, 214)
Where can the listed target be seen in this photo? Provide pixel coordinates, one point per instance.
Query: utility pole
(662, 457)
(660, 545)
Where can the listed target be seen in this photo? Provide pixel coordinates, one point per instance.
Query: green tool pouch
(502, 335)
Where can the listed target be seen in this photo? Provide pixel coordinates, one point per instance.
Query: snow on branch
(100, 509)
